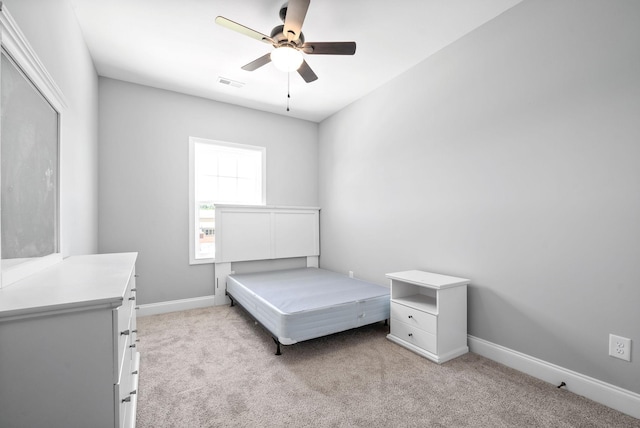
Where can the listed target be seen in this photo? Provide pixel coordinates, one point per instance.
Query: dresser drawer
(121, 338)
(124, 328)
(122, 314)
(414, 335)
(414, 317)
(126, 392)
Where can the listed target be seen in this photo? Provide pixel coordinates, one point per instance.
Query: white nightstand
(429, 314)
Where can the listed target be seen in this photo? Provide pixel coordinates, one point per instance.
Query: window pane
(247, 191)
(207, 188)
(228, 166)
(206, 159)
(228, 190)
(206, 223)
(248, 167)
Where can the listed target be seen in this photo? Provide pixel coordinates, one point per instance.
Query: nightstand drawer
(414, 335)
(414, 317)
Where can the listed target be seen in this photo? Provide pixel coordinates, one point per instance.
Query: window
(223, 173)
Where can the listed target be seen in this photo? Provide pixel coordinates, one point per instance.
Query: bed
(294, 304)
(305, 303)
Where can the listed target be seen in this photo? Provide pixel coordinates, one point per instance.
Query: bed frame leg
(278, 346)
(231, 299)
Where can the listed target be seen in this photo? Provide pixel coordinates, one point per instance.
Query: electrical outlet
(620, 347)
(350, 274)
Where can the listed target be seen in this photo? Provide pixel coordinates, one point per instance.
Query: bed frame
(259, 233)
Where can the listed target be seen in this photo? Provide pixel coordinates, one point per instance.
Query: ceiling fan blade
(231, 25)
(253, 65)
(329, 48)
(307, 73)
(296, 11)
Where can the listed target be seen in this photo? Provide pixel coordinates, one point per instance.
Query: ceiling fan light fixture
(286, 58)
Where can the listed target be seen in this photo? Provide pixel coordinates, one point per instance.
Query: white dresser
(429, 314)
(68, 354)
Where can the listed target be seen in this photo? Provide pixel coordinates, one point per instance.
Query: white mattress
(301, 304)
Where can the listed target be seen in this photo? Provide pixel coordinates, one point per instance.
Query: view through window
(222, 173)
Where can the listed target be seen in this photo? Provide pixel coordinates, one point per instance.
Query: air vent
(229, 82)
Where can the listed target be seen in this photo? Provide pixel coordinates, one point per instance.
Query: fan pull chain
(288, 89)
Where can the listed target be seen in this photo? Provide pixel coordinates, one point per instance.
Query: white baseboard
(601, 392)
(174, 306)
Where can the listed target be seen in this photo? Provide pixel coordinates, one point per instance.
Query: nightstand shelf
(420, 301)
(429, 314)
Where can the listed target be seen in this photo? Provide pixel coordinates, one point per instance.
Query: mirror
(28, 167)
(30, 117)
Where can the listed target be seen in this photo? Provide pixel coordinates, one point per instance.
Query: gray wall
(144, 180)
(511, 158)
(53, 32)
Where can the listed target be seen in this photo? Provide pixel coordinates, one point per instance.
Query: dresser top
(75, 282)
(428, 279)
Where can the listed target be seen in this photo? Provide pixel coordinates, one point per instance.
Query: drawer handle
(125, 333)
(136, 275)
(132, 298)
(410, 334)
(134, 372)
(132, 346)
(134, 331)
(134, 289)
(410, 316)
(128, 399)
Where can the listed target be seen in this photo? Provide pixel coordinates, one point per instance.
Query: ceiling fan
(289, 42)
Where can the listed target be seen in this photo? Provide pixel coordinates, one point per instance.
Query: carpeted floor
(214, 367)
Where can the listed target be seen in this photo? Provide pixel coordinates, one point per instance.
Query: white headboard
(245, 233)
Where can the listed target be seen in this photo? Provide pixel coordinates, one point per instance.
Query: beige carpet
(214, 367)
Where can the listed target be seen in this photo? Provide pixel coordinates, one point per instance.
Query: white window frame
(193, 232)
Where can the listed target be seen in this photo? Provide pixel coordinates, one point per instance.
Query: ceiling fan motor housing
(277, 34)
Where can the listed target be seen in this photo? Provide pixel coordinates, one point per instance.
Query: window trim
(192, 188)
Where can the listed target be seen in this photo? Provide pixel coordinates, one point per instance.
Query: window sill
(201, 261)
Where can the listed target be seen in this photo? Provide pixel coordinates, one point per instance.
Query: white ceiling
(176, 45)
